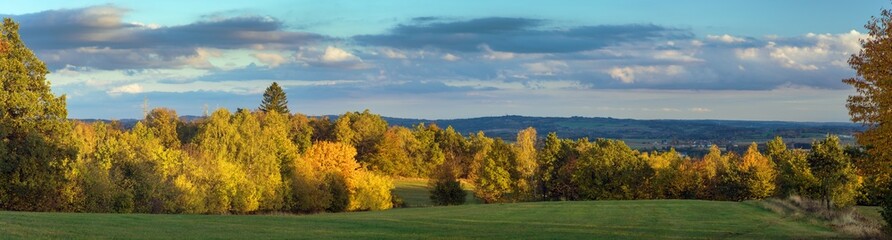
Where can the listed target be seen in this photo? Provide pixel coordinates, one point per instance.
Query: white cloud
(450, 57)
(798, 57)
(330, 57)
(630, 74)
(746, 53)
(128, 89)
(832, 49)
(270, 59)
(725, 38)
(337, 55)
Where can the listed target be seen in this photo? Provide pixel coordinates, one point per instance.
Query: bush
(445, 187)
(371, 192)
(447, 192)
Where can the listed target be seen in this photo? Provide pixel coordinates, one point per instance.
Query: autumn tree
(872, 104)
(323, 176)
(274, 99)
(525, 164)
(35, 149)
(395, 154)
(758, 173)
(710, 167)
(164, 123)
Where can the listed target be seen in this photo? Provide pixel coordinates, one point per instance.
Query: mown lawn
(645, 219)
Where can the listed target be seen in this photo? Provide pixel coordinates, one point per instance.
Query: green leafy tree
(456, 150)
(35, 146)
(838, 182)
(362, 130)
(493, 181)
(301, 132)
(274, 99)
(611, 170)
(794, 176)
(547, 159)
(427, 154)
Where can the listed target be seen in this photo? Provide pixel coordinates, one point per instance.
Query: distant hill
(681, 134)
(579, 127)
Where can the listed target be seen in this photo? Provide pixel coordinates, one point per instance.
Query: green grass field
(645, 219)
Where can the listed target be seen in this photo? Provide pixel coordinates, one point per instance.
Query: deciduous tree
(35, 136)
(872, 104)
(838, 182)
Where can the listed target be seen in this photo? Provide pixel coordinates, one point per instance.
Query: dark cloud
(102, 26)
(97, 37)
(520, 35)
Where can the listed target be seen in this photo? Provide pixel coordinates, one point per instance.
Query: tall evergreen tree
(274, 99)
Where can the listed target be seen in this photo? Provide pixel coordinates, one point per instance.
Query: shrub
(371, 192)
(445, 187)
(447, 192)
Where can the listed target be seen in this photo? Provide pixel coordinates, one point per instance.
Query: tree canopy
(35, 150)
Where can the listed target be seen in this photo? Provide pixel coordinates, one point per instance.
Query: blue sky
(765, 60)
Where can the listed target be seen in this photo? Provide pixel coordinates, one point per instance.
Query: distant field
(645, 219)
(415, 193)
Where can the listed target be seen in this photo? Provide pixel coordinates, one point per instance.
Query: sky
(744, 60)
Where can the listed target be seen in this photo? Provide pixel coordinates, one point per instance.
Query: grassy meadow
(642, 219)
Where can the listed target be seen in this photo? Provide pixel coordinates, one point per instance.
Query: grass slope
(645, 219)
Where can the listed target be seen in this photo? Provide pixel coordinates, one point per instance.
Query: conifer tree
(274, 99)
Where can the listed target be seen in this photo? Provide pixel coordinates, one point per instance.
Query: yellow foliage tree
(759, 173)
(525, 164)
(371, 192)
